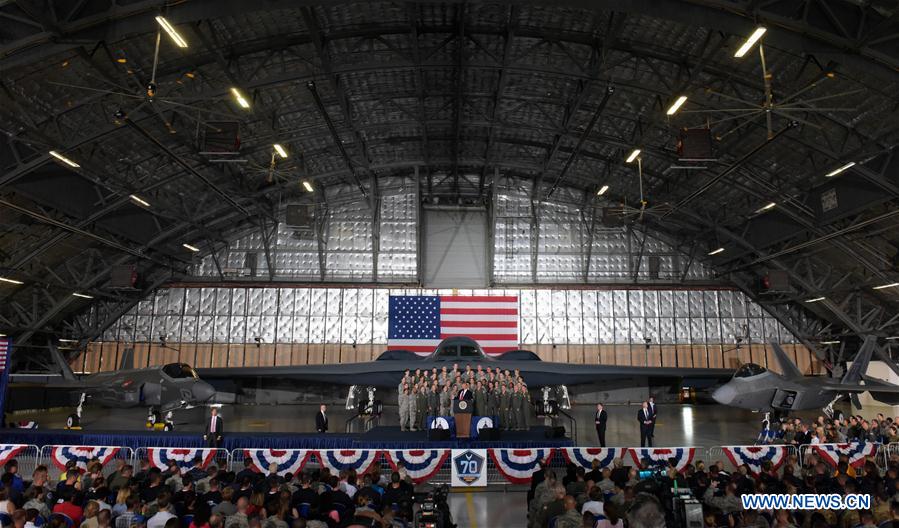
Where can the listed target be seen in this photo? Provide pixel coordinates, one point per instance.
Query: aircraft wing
(869, 387)
(535, 373)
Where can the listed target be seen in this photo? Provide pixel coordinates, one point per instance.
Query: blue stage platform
(377, 438)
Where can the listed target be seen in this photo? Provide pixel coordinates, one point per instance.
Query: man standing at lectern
(465, 393)
(214, 428)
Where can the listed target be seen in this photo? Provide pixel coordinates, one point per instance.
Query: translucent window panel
(604, 303)
(348, 330)
(527, 303)
(223, 301)
(710, 303)
(527, 331)
(574, 328)
(364, 330)
(254, 301)
(635, 303)
(270, 301)
(267, 327)
(651, 303)
(382, 305)
(205, 328)
(189, 329)
(681, 303)
(284, 329)
(318, 301)
(334, 301)
(239, 301)
(756, 330)
(316, 329)
(754, 309)
(739, 304)
(175, 303)
(349, 303)
(254, 328)
(365, 302)
(285, 301)
(682, 330)
(588, 303)
(695, 307)
(207, 301)
(606, 326)
(666, 331)
(238, 329)
(559, 305)
(332, 329)
(222, 329)
(725, 303)
(146, 307)
(300, 329)
(651, 329)
(771, 333)
(622, 330)
(379, 331)
(591, 330)
(302, 301)
(619, 303)
(730, 329)
(192, 301)
(697, 330)
(713, 330)
(638, 332)
(574, 303)
(172, 327)
(544, 303)
(544, 330)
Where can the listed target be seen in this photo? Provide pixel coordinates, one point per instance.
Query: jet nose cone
(724, 394)
(203, 392)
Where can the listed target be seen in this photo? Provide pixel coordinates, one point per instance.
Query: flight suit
(403, 401)
(514, 411)
(505, 415)
(421, 410)
(445, 401)
(433, 403)
(478, 403)
(412, 411)
(491, 403)
(527, 410)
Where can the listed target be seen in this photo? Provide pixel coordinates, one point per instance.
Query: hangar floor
(678, 425)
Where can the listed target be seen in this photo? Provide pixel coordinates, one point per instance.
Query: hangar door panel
(455, 245)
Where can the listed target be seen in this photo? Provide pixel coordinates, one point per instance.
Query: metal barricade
(56, 456)
(160, 456)
(716, 454)
(27, 456)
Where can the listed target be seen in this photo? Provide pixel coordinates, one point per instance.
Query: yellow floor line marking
(472, 516)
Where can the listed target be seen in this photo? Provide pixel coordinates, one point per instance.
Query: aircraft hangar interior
(531, 264)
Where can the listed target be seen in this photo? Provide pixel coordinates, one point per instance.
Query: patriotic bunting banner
(60, 455)
(755, 456)
(8, 451)
(339, 459)
(288, 460)
(856, 451)
(420, 464)
(518, 465)
(662, 455)
(161, 457)
(584, 456)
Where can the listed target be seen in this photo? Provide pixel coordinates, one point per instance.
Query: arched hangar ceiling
(556, 94)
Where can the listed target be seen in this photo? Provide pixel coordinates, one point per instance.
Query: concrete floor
(489, 509)
(678, 425)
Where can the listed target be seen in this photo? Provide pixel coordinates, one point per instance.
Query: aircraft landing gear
(74, 420)
(828, 409)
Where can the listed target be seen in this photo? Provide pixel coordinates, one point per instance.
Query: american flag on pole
(418, 323)
(4, 352)
(4, 375)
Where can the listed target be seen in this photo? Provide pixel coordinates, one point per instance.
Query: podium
(462, 412)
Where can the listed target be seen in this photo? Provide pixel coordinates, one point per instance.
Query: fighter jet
(758, 389)
(166, 388)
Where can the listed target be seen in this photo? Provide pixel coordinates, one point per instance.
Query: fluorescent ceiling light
(61, 340)
(83, 295)
(633, 155)
(892, 338)
(280, 150)
(884, 286)
(4, 335)
(240, 99)
(816, 299)
(139, 200)
(192, 248)
(675, 106)
(602, 190)
(765, 208)
(750, 41)
(11, 281)
(176, 37)
(716, 251)
(307, 185)
(63, 159)
(840, 169)
(829, 343)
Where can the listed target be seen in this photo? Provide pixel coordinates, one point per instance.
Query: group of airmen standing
(500, 394)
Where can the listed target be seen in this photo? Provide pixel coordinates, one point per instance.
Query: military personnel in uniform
(445, 401)
(523, 423)
(422, 407)
(515, 401)
(412, 407)
(479, 400)
(491, 399)
(505, 407)
(403, 400)
(434, 401)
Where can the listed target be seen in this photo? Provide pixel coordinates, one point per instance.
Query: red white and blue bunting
(61, 455)
(856, 451)
(288, 460)
(337, 460)
(518, 465)
(755, 456)
(584, 456)
(420, 464)
(9, 451)
(682, 456)
(161, 457)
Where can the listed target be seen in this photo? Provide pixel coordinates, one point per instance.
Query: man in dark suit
(644, 416)
(465, 394)
(653, 409)
(215, 428)
(600, 420)
(321, 419)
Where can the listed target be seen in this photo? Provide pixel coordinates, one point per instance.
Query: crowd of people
(211, 497)
(500, 394)
(824, 430)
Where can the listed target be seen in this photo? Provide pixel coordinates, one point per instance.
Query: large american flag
(418, 323)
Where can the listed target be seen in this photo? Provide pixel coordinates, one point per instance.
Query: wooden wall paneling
(107, 359)
(607, 355)
(155, 355)
(266, 354)
(716, 356)
(544, 352)
(655, 356)
(282, 354)
(771, 359)
(316, 354)
(140, 354)
(204, 355)
(236, 355)
(700, 356)
(332, 354)
(684, 356)
(560, 353)
(758, 355)
(638, 355)
(251, 354)
(220, 355)
(576, 354)
(348, 353)
(299, 354)
(188, 353)
(669, 356)
(592, 354)
(623, 355)
(803, 357)
(744, 355)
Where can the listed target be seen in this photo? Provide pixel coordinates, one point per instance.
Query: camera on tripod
(433, 511)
